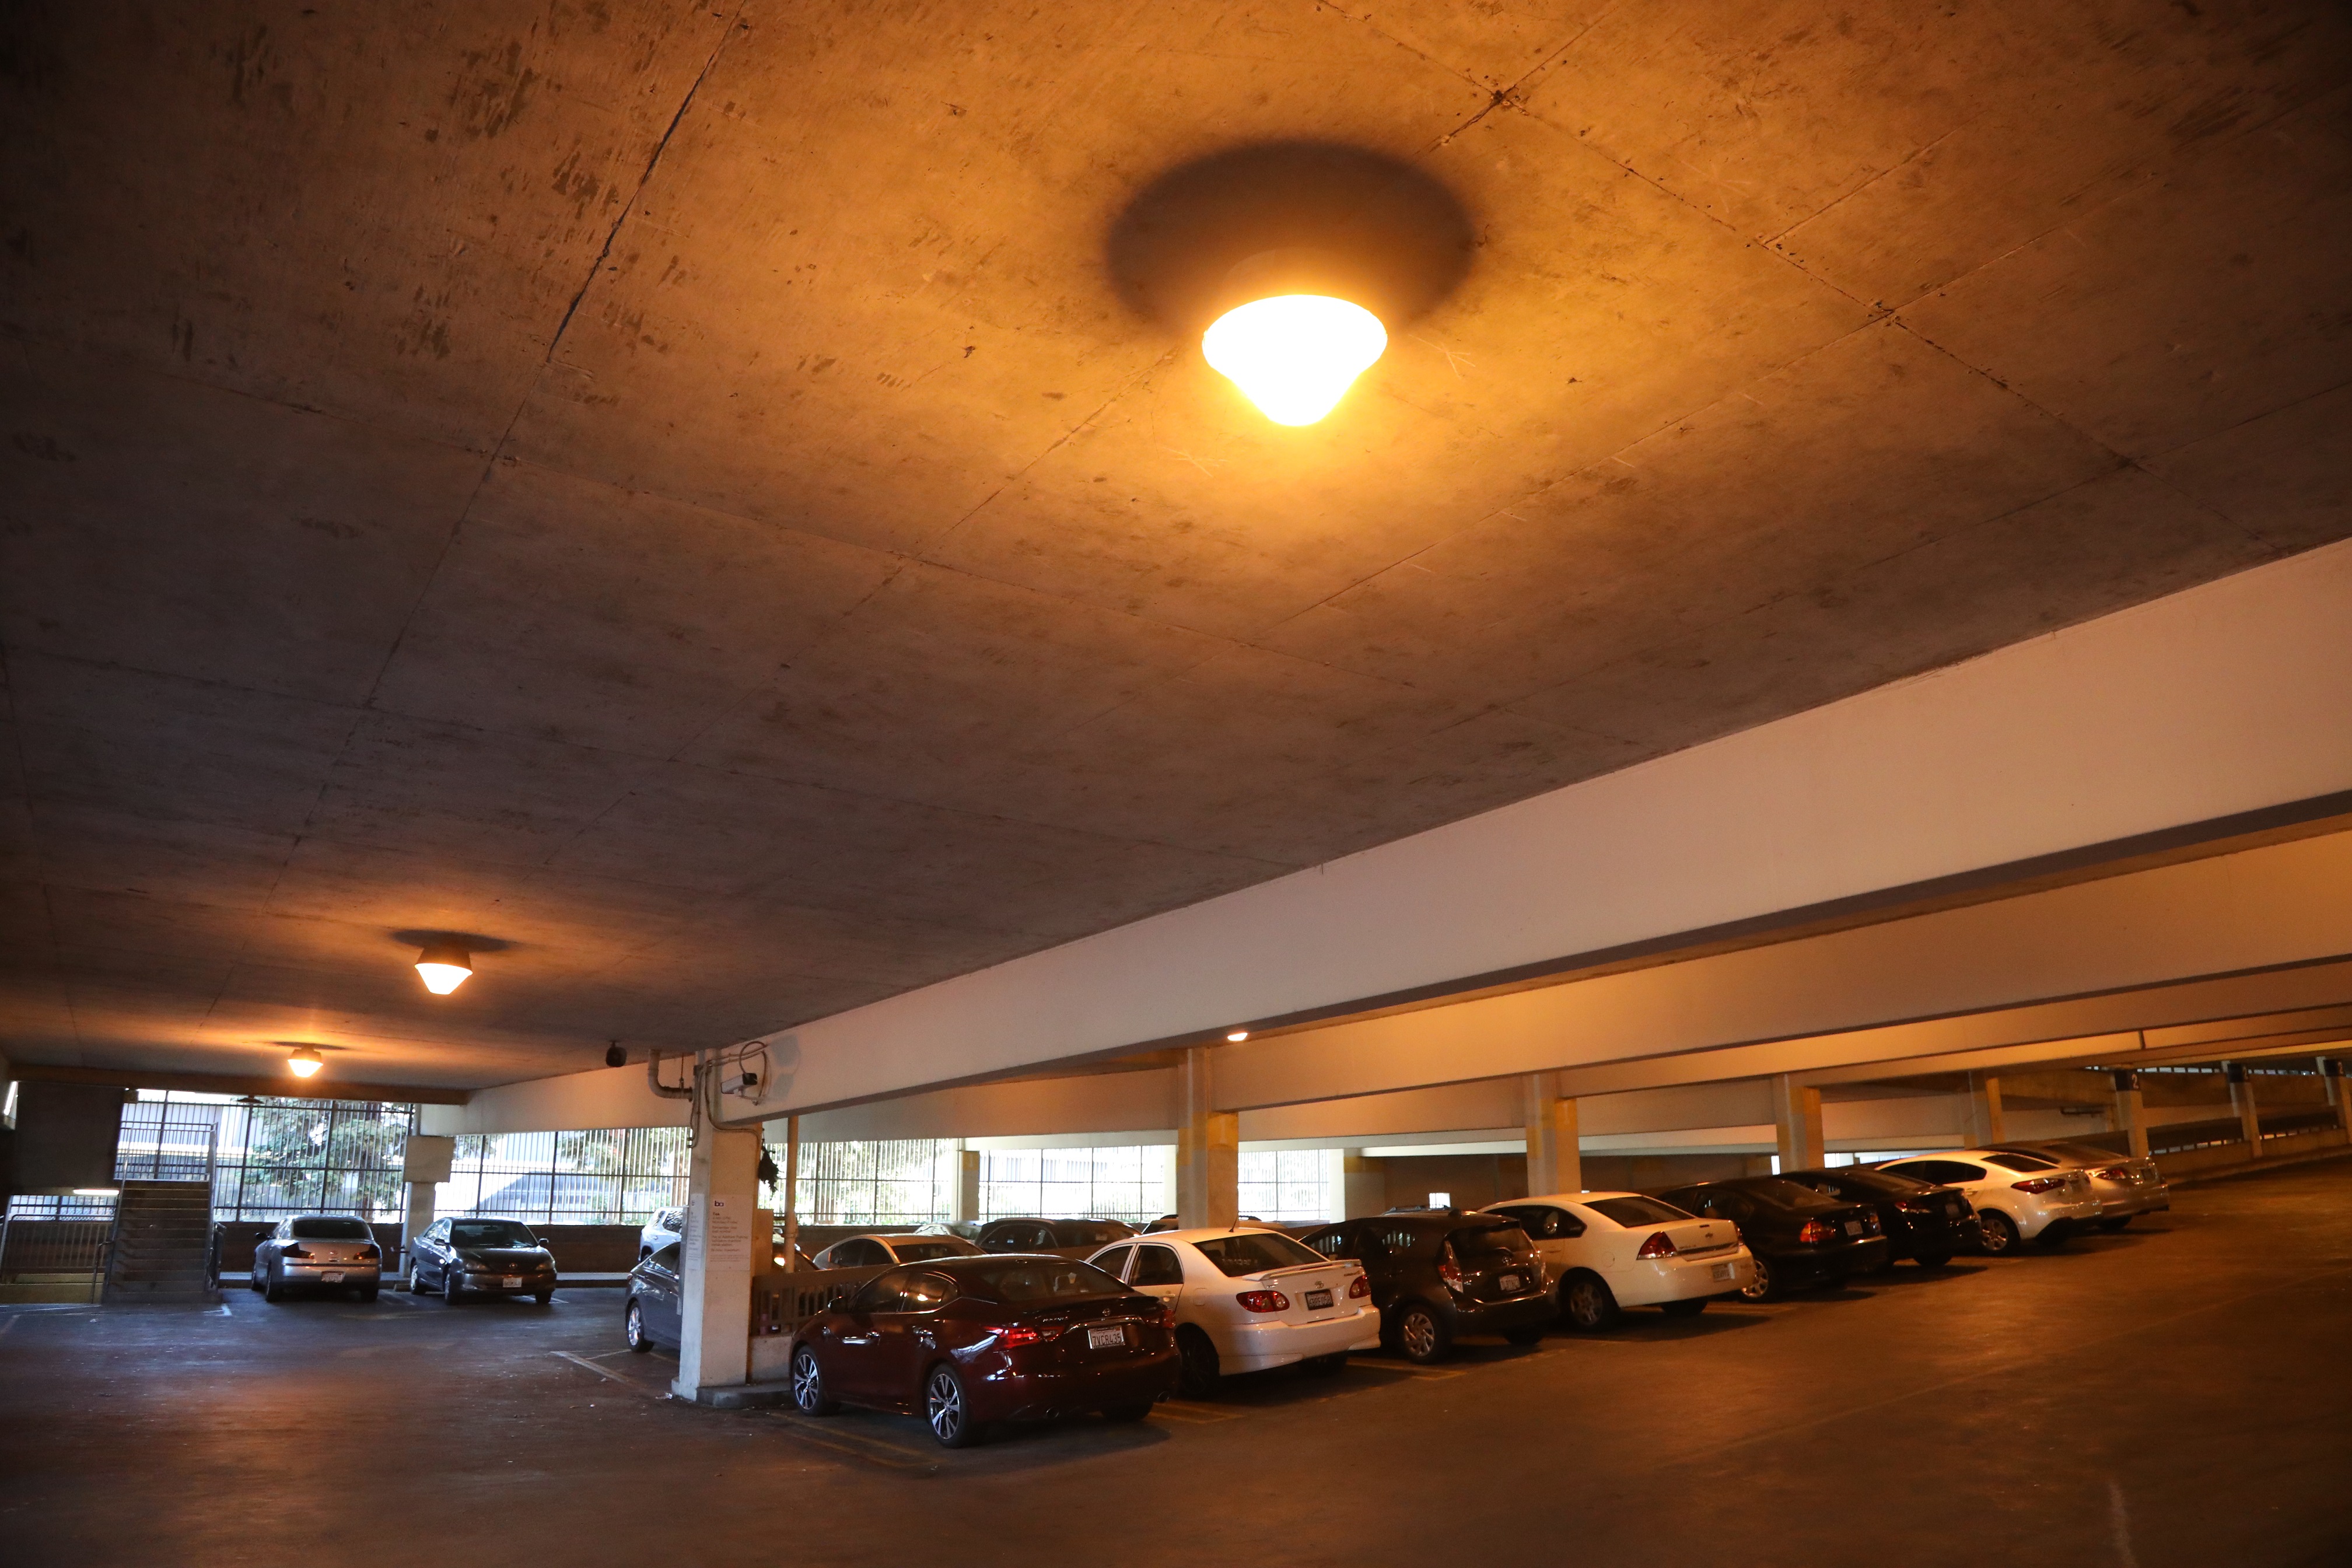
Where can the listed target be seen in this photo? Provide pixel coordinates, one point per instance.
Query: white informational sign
(728, 1238)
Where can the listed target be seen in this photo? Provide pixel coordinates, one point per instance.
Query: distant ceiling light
(1237, 1036)
(444, 965)
(615, 1055)
(98, 1192)
(304, 1062)
(1291, 338)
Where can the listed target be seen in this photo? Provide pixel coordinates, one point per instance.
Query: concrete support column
(1555, 1162)
(967, 1193)
(1208, 1150)
(1797, 1118)
(714, 1360)
(2242, 1101)
(2131, 1112)
(1986, 1123)
(1365, 1184)
(424, 1163)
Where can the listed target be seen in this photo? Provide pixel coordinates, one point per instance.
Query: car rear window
(1778, 1192)
(1488, 1239)
(1255, 1252)
(2021, 1161)
(333, 1230)
(1090, 1232)
(924, 1251)
(1020, 1281)
(1630, 1212)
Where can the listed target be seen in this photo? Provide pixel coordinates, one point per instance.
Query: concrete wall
(66, 1134)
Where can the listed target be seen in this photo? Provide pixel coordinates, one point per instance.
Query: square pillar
(424, 1163)
(714, 1358)
(966, 1192)
(2131, 1112)
(2331, 1079)
(1986, 1124)
(1796, 1118)
(1364, 1185)
(1555, 1160)
(2242, 1101)
(1208, 1150)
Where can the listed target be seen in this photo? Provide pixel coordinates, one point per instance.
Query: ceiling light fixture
(1293, 345)
(1237, 1036)
(443, 966)
(304, 1062)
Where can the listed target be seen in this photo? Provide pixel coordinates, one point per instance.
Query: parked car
(653, 1312)
(461, 1258)
(1438, 1274)
(1168, 1222)
(870, 1251)
(2125, 1187)
(665, 1226)
(1797, 1236)
(313, 1251)
(2017, 1197)
(964, 1342)
(1248, 1301)
(1922, 1221)
(1606, 1250)
(1050, 1235)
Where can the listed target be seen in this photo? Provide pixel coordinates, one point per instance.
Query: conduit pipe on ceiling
(653, 1079)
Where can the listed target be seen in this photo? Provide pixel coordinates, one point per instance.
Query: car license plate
(1854, 1227)
(333, 1277)
(1722, 1271)
(509, 1281)
(1106, 1339)
(1509, 1281)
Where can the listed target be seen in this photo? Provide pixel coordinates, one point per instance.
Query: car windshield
(1090, 1232)
(1020, 1281)
(489, 1232)
(923, 1251)
(1487, 1240)
(332, 1230)
(1255, 1252)
(1630, 1212)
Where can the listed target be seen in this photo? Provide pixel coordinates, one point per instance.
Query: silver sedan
(2125, 1188)
(321, 1251)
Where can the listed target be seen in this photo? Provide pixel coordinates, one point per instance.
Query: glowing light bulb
(1237, 1036)
(443, 967)
(303, 1063)
(1294, 355)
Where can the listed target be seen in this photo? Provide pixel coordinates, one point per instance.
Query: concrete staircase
(163, 1236)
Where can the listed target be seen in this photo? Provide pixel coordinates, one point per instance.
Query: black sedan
(1923, 1222)
(461, 1258)
(1797, 1236)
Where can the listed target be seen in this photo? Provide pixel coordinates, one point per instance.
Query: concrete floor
(2181, 1395)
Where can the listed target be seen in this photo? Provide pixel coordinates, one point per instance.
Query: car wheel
(1419, 1336)
(253, 1277)
(1690, 1309)
(1325, 1366)
(1202, 1367)
(1996, 1232)
(1763, 1287)
(2112, 1226)
(1587, 1304)
(1126, 1413)
(947, 1409)
(1932, 1259)
(810, 1396)
(633, 1330)
(272, 1288)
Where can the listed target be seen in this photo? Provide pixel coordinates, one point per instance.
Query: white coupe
(1608, 1250)
(1249, 1300)
(2017, 1197)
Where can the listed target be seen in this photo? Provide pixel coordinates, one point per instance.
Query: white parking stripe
(628, 1382)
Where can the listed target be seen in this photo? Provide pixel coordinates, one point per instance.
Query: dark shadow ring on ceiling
(1405, 238)
(467, 940)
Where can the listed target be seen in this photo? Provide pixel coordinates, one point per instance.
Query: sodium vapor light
(443, 966)
(1294, 355)
(304, 1062)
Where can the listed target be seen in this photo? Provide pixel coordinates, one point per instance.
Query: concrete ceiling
(679, 492)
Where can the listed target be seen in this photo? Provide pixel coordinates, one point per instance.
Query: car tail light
(1264, 1301)
(1814, 1230)
(1451, 1271)
(1659, 1245)
(1870, 1222)
(295, 1252)
(1012, 1334)
(2039, 1184)
(1168, 1315)
(1359, 1287)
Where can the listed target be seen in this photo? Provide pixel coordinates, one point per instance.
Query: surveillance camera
(615, 1056)
(745, 1083)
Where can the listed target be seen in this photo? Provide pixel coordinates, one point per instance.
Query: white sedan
(1607, 1250)
(2017, 1197)
(1249, 1300)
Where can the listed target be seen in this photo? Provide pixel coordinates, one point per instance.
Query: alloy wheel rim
(1755, 1289)
(637, 1324)
(1420, 1334)
(804, 1380)
(946, 1405)
(1583, 1306)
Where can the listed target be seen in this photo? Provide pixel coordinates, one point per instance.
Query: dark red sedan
(967, 1341)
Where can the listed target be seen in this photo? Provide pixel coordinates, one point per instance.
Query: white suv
(2017, 1197)
(665, 1226)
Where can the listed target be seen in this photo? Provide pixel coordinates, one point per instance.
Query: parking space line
(630, 1384)
(875, 1450)
(1184, 1410)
